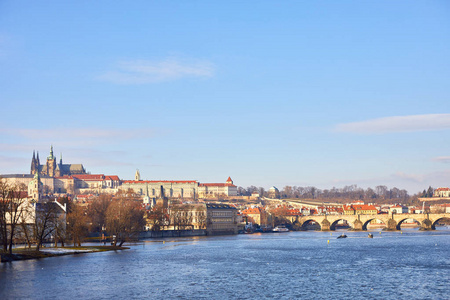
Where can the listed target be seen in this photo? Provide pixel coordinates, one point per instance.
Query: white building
(217, 189)
(442, 192)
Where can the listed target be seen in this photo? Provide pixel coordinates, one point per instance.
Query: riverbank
(24, 253)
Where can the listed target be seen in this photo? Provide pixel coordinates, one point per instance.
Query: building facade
(217, 189)
(442, 192)
(221, 219)
(178, 188)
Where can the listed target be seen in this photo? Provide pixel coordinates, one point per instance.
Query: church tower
(38, 163)
(33, 164)
(137, 176)
(51, 164)
(59, 167)
(35, 188)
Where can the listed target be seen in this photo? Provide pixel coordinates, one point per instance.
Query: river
(393, 265)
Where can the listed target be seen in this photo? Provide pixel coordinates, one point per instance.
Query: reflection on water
(401, 265)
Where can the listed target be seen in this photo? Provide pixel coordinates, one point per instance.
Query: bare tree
(77, 222)
(158, 218)
(46, 221)
(97, 212)
(12, 204)
(181, 216)
(124, 219)
(287, 192)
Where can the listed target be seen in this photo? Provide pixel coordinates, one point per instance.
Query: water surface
(396, 265)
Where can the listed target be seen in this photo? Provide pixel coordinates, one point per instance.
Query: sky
(271, 93)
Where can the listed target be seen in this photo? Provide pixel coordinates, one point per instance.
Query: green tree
(430, 192)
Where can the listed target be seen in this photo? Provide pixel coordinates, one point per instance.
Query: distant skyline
(321, 93)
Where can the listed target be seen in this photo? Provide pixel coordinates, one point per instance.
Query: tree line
(379, 194)
(22, 221)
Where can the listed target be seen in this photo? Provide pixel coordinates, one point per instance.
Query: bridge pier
(325, 225)
(391, 225)
(426, 225)
(357, 225)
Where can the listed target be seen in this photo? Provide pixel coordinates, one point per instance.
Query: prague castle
(60, 178)
(54, 169)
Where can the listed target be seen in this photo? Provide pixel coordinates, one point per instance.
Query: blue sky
(312, 93)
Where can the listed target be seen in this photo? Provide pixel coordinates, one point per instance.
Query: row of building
(59, 178)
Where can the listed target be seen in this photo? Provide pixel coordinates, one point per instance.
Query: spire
(137, 176)
(33, 164)
(51, 153)
(60, 159)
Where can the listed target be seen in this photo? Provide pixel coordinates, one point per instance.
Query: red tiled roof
(163, 181)
(359, 207)
(216, 184)
(112, 177)
(364, 207)
(64, 177)
(443, 189)
(251, 211)
(89, 176)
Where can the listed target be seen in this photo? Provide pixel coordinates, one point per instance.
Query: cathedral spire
(51, 153)
(33, 164)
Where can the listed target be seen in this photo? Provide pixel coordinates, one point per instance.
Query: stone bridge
(360, 222)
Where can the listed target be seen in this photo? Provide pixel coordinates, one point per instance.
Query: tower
(35, 188)
(51, 163)
(33, 164)
(137, 176)
(58, 170)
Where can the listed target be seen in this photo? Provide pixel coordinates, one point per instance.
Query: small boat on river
(370, 236)
(280, 228)
(342, 236)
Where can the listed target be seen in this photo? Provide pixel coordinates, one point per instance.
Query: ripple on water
(291, 266)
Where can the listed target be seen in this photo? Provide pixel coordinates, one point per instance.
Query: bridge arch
(399, 223)
(433, 224)
(367, 222)
(311, 224)
(335, 223)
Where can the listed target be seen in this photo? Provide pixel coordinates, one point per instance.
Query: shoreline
(26, 254)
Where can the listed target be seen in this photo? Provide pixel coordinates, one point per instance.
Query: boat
(370, 236)
(342, 236)
(280, 228)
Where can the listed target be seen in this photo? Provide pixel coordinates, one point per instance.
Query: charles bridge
(360, 222)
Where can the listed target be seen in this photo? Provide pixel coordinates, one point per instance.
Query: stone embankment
(24, 254)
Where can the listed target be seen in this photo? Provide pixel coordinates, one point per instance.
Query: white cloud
(409, 177)
(77, 133)
(144, 71)
(398, 124)
(443, 159)
(73, 137)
